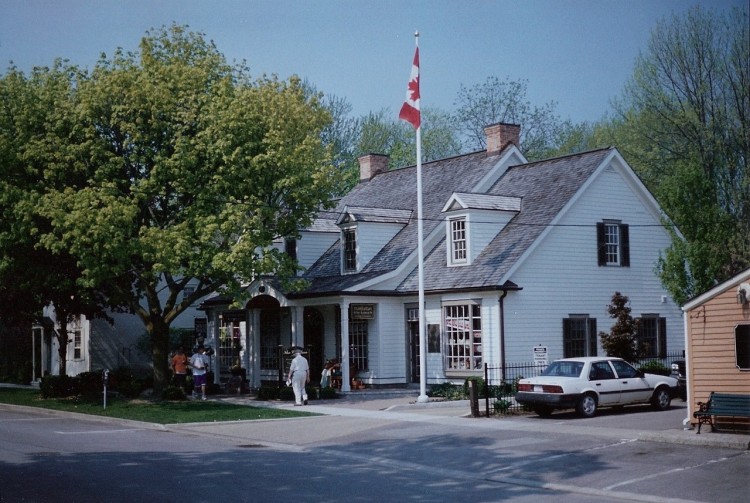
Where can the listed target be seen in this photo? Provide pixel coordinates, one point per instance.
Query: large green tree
(179, 169)
(35, 113)
(684, 125)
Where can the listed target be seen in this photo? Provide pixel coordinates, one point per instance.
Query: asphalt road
(355, 454)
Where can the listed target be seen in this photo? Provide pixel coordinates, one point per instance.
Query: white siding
(312, 245)
(483, 226)
(371, 238)
(562, 276)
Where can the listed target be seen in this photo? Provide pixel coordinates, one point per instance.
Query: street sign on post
(540, 356)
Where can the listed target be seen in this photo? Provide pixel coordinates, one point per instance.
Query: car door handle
(624, 382)
(598, 384)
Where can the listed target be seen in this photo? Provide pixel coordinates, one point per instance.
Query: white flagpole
(420, 253)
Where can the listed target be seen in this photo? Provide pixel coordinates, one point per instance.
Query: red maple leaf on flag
(414, 88)
(410, 110)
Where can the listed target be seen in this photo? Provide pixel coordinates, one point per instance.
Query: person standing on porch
(299, 374)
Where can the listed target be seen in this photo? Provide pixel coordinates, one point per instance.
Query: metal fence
(501, 383)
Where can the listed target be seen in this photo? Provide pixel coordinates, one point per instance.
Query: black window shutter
(662, 337)
(566, 337)
(601, 250)
(592, 337)
(625, 241)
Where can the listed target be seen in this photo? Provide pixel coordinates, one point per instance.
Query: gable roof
(482, 202)
(545, 187)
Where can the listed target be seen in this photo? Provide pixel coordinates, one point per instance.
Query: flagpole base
(423, 399)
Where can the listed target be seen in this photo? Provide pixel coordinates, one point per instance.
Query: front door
(412, 328)
(313, 334)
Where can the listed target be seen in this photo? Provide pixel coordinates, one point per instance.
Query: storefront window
(463, 337)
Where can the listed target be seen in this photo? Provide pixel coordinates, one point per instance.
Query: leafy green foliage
(654, 367)
(158, 169)
(683, 125)
(621, 341)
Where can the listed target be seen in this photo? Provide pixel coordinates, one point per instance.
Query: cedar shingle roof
(545, 187)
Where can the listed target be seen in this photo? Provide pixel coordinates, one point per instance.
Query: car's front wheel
(661, 398)
(587, 405)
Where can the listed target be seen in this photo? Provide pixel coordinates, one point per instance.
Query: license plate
(538, 389)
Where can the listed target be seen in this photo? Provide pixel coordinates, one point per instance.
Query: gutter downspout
(502, 332)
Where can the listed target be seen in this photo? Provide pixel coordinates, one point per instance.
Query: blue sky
(577, 53)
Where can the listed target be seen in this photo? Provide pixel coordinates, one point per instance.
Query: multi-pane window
(230, 342)
(613, 244)
(463, 337)
(187, 291)
(350, 250)
(77, 345)
(458, 240)
(579, 336)
(290, 247)
(652, 336)
(358, 344)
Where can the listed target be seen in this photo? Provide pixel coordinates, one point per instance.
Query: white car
(591, 382)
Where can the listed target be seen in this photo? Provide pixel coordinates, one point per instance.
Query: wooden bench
(723, 405)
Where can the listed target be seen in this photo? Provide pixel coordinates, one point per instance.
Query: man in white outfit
(299, 374)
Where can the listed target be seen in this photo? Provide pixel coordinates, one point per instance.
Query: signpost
(540, 356)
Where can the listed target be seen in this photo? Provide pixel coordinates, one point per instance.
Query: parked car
(678, 372)
(588, 383)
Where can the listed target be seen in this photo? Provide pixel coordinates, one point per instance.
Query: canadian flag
(410, 109)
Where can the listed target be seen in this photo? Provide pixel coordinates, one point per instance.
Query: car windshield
(564, 369)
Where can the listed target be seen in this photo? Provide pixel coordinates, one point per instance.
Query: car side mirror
(640, 374)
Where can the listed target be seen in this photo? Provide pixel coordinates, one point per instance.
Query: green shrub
(174, 393)
(501, 406)
(268, 393)
(58, 386)
(654, 367)
(448, 391)
(90, 385)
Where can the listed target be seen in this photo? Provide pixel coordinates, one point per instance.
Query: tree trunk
(61, 334)
(160, 354)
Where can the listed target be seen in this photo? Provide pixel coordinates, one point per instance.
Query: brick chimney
(371, 165)
(500, 135)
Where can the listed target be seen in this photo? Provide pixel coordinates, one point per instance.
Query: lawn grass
(149, 411)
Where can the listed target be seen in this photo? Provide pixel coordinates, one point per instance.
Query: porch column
(248, 343)
(213, 325)
(254, 353)
(345, 377)
(298, 336)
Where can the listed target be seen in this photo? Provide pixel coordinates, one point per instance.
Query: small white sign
(540, 356)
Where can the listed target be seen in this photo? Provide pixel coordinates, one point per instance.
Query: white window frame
(77, 344)
(462, 337)
(457, 255)
(347, 231)
(612, 243)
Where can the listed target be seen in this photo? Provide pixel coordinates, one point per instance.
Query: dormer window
(349, 243)
(458, 247)
(290, 247)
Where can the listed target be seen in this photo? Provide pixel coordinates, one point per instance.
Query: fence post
(486, 392)
(473, 400)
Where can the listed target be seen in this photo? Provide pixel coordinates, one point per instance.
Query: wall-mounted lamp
(742, 293)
